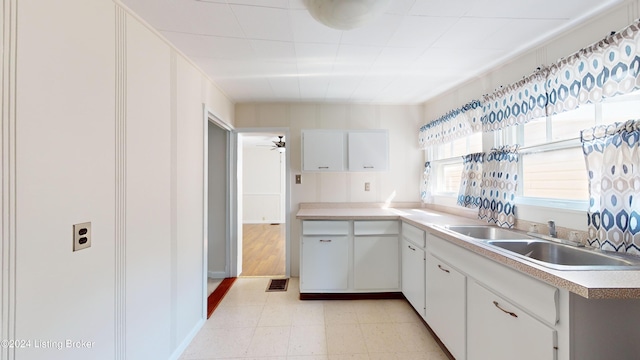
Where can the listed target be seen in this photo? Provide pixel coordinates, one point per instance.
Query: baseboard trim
(187, 340)
(352, 296)
(218, 294)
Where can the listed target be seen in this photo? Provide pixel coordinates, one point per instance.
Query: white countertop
(596, 284)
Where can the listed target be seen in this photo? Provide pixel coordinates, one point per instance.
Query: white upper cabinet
(368, 150)
(323, 150)
(340, 150)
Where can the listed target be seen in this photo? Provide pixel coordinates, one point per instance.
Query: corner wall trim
(120, 183)
(8, 140)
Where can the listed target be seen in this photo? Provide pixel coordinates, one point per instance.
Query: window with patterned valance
(455, 124)
(580, 90)
(607, 68)
(517, 103)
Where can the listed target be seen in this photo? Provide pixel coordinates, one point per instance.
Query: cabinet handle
(445, 270)
(323, 240)
(368, 167)
(323, 167)
(409, 246)
(505, 311)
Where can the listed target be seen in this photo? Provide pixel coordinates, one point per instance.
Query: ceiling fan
(279, 145)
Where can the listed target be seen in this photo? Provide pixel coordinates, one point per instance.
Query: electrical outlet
(81, 236)
(367, 186)
(298, 179)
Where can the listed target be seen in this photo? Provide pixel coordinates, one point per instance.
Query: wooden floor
(263, 250)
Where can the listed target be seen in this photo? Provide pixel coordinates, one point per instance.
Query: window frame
(437, 164)
(515, 135)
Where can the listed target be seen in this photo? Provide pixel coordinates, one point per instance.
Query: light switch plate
(81, 236)
(367, 186)
(298, 179)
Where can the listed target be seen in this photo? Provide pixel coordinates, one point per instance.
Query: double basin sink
(546, 251)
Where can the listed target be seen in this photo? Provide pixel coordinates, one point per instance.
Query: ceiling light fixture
(346, 14)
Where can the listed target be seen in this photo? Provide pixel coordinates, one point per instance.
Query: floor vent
(278, 285)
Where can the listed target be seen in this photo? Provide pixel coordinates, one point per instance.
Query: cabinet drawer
(499, 330)
(325, 227)
(379, 227)
(413, 234)
(537, 297)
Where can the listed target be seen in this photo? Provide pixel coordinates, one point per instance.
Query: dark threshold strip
(218, 294)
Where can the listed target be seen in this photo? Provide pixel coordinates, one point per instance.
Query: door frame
(209, 117)
(236, 250)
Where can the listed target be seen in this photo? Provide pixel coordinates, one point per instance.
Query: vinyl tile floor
(250, 323)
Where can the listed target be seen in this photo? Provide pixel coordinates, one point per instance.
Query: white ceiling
(273, 50)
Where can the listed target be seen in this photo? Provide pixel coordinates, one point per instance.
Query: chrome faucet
(552, 229)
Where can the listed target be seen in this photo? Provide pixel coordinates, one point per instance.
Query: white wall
(107, 128)
(65, 175)
(262, 191)
(401, 182)
(569, 42)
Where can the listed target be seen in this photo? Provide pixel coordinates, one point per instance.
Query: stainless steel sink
(486, 232)
(567, 257)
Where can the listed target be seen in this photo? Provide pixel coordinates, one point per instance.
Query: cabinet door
(368, 150)
(325, 263)
(376, 263)
(446, 305)
(413, 275)
(323, 150)
(498, 330)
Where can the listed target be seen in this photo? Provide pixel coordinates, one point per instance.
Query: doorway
(218, 160)
(263, 194)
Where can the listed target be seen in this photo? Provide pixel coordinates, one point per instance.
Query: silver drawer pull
(323, 167)
(323, 240)
(412, 248)
(443, 269)
(505, 311)
(368, 167)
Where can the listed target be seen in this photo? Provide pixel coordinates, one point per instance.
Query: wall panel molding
(8, 168)
(120, 183)
(174, 197)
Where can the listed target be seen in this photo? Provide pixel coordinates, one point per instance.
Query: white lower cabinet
(499, 330)
(326, 263)
(376, 263)
(446, 304)
(413, 275)
(350, 256)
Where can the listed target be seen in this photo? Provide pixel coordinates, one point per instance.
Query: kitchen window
(446, 162)
(552, 167)
(552, 171)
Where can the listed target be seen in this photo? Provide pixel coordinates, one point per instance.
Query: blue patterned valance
(517, 103)
(455, 124)
(607, 68)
